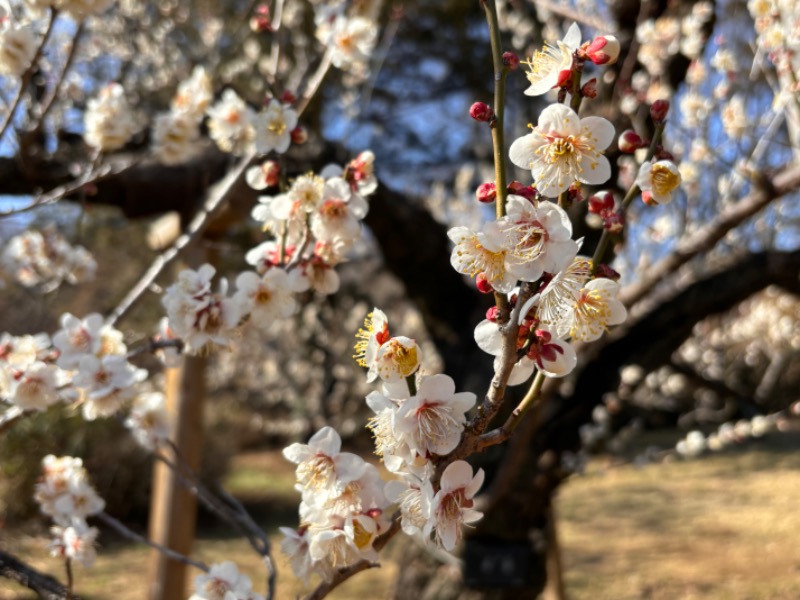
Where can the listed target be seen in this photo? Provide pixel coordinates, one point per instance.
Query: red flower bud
(510, 60)
(564, 78)
(613, 222)
(491, 314)
(259, 24)
(480, 111)
(483, 285)
(288, 97)
(272, 172)
(603, 270)
(518, 189)
(630, 141)
(662, 154)
(589, 89)
(299, 135)
(647, 198)
(604, 50)
(601, 201)
(486, 192)
(659, 110)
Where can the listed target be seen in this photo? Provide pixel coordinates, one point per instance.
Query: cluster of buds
(604, 205)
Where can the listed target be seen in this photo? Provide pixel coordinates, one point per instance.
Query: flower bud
(486, 192)
(510, 60)
(574, 192)
(483, 285)
(662, 154)
(630, 141)
(659, 110)
(519, 189)
(613, 222)
(299, 135)
(491, 314)
(287, 97)
(260, 24)
(601, 201)
(604, 50)
(589, 89)
(603, 270)
(564, 78)
(480, 111)
(647, 198)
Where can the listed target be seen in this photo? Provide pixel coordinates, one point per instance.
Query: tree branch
(45, 585)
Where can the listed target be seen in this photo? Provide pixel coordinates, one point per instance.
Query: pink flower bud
(483, 285)
(491, 314)
(659, 110)
(574, 192)
(510, 60)
(589, 89)
(602, 201)
(630, 141)
(526, 191)
(480, 111)
(260, 22)
(486, 192)
(299, 135)
(647, 198)
(604, 50)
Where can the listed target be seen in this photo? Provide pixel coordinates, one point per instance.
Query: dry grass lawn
(724, 527)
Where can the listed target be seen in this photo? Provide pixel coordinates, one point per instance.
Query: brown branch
(45, 585)
(785, 181)
(50, 101)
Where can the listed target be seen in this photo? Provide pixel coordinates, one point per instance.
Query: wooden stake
(173, 509)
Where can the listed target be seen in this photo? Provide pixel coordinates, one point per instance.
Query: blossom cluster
(45, 259)
(224, 582)
(315, 222)
(65, 494)
(85, 362)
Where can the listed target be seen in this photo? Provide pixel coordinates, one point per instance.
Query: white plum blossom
(148, 420)
(64, 492)
(371, 337)
(415, 499)
(273, 128)
(175, 136)
(75, 542)
(540, 238)
(106, 383)
(17, 49)
(452, 506)
(230, 124)
(77, 338)
(351, 41)
(200, 317)
(547, 65)
(224, 582)
(35, 387)
(483, 252)
(658, 181)
(395, 360)
(193, 95)
(433, 419)
(561, 292)
(338, 214)
(295, 545)
(305, 196)
(108, 121)
(266, 298)
(593, 310)
(321, 466)
(563, 148)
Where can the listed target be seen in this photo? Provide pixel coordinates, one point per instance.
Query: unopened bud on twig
(659, 110)
(604, 50)
(630, 141)
(486, 192)
(510, 60)
(480, 111)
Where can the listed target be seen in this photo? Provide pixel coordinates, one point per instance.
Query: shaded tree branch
(45, 585)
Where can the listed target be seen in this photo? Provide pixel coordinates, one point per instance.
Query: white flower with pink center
(452, 504)
(414, 497)
(266, 298)
(395, 360)
(321, 466)
(483, 252)
(595, 308)
(563, 149)
(223, 582)
(374, 334)
(273, 127)
(540, 238)
(434, 418)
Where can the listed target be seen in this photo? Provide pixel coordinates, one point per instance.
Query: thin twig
(54, 92)
(315, 81)
(28, 74)
(132, 535)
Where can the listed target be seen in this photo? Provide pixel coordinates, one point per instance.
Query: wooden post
(555, 588)
(173, 509)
